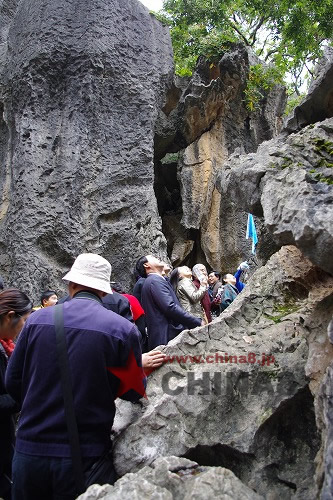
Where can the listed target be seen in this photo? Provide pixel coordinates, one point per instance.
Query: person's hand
(216, 301)
(243, 265)
(152, 359)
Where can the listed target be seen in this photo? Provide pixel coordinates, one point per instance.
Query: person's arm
(239, 284)
(163, 298)
(192, 293)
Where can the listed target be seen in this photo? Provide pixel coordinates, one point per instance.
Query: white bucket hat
(91, 270)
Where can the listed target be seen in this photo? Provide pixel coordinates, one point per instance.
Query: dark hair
(46, 295)
(217, 275)
(117, 287)
(223, 278)
(14, 300)
(174, 278)
(139, 266)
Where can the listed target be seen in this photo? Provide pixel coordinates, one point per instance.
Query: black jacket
(7, 427)
(165, 318)
(119, 304)
(137, 290)
(114, 302)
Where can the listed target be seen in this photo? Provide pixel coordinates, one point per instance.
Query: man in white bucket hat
(100, 344)
(90, 271)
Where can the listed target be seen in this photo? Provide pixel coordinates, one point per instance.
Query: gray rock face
(175, 478)
(318, 104)
(289, 182)
(207, 121)
(325, 399)
(81, 86)
(231, 394)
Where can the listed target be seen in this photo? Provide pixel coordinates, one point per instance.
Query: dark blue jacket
(165, 318)
(96, 339)
(239, 284)
(119, 304)
(137, 290)
(114, 302)
(7, 425)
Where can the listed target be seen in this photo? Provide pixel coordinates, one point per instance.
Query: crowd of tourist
(111, 339)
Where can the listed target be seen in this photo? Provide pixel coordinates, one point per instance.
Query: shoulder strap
(66, 385)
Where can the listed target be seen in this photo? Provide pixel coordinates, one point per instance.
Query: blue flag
(251, 232)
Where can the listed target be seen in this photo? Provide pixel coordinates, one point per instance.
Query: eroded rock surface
(318, 103)
(255, 416)
(289, 182)
(81, 85)
(173, 478)
(208, 123)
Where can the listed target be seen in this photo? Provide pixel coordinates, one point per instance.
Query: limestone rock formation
(81, 84)
(289, 182)
(206, 122)
(325, 424)
(236, 393)
(174, 478)
(318, 103)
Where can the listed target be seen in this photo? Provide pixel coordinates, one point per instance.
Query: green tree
(289, 34)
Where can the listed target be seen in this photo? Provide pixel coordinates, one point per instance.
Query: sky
(152, 4)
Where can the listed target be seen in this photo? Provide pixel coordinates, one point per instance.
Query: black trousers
(44, 478)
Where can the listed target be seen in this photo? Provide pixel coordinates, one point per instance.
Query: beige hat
(91, 270)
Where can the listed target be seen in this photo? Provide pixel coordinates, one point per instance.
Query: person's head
(178, 274)
(213, 277)
(117, 287)
(229, 279)
(90, 272)
(184, 272)
(15, 308)
(139, 266)
(48, 298)
(149, 264)
(198, 270)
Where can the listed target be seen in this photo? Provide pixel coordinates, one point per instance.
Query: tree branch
(270, 52)
(309, 70)
(263, 45)
(233, 25)
(253, 35)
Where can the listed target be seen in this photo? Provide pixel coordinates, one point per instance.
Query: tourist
(47, 299)
(165, 317)
(15, 307)
(200, 273)
(188, 294)
(229, 291)
(98, 341)
(214, 285)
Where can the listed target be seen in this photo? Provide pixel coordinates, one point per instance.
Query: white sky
(152, 4)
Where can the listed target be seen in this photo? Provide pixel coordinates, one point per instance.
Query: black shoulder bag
(102, 471)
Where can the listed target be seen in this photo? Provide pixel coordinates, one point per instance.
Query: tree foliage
(289, 34)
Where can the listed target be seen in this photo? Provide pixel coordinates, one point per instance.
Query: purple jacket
(96, 339)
